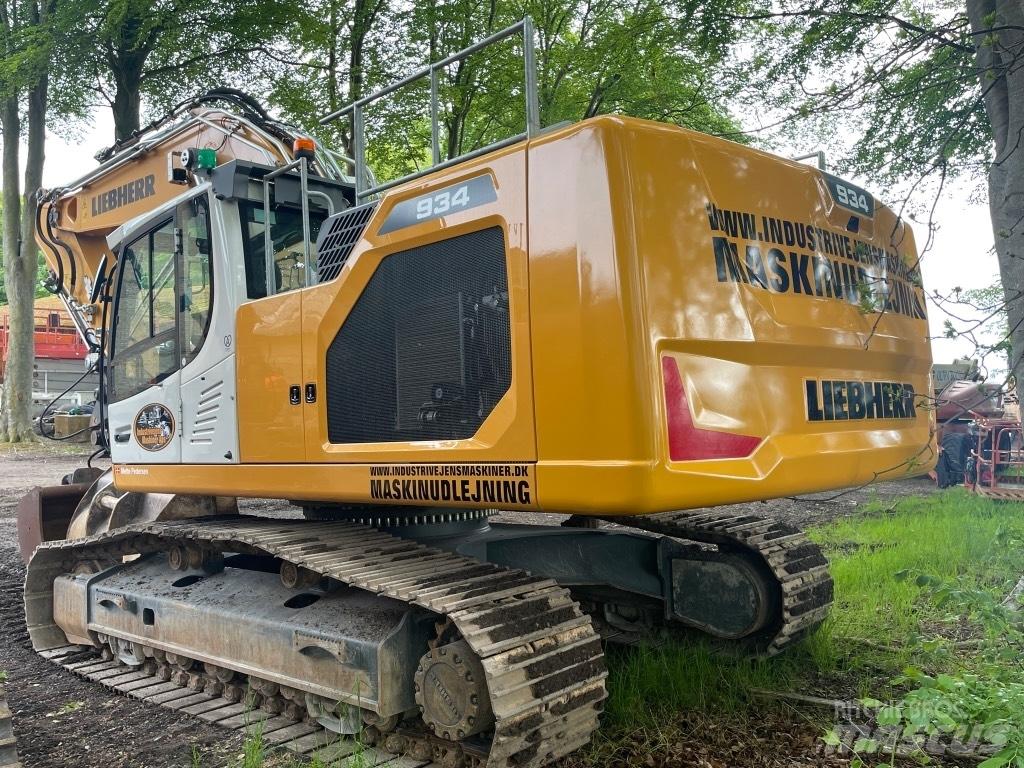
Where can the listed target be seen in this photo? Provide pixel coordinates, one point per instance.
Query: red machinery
(995, 468)
(56, 338)
(958, 408)
(60, 354)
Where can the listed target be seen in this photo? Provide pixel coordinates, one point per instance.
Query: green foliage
(66, 709)
(41, 275)
(167, 51)
(32, 47)
(254, 749)
(648, 685)
(992, 335)
(899, 77)
(948, 536)
(647, 59)
(981, 698)
(881, 625)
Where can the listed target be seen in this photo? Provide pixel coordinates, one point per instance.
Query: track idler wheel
(296, 577)
(184, 558)
(451, 690)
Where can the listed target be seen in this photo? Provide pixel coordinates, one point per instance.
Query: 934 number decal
(454, 198)
(442, 202)
(850, 196)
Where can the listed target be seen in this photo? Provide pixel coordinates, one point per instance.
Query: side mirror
(101, 278)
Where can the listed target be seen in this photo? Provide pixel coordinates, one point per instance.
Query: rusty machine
(612, 320)
(964, 403)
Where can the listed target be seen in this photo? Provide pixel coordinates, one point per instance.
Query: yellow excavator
(615, 320)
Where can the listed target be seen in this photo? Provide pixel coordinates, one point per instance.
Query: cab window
(145, 342)
(286, 231)
(196, 277)
(164, 300)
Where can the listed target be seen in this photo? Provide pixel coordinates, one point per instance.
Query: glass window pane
(286, 229)
(147, 365)
(134, 313)
(197, 277)
(163, 279)
(145, 334)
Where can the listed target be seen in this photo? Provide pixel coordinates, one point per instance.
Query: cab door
(206, 330)
(143, 385)
(269, 331)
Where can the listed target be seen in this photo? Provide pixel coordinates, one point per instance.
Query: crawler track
(541, 656)
(301, 738)
(797, 563)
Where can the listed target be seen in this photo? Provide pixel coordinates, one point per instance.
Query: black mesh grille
(338, 236)
(425, 353)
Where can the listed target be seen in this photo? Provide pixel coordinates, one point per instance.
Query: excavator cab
(182, 272)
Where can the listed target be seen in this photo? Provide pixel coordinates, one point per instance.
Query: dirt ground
(62, 721)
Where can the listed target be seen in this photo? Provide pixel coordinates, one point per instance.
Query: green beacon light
(206, 159)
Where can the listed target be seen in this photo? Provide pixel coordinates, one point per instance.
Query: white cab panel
(142, 419)
(209, 419)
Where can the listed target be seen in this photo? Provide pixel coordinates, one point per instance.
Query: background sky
(960, 256)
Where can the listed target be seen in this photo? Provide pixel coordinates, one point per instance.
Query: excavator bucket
(45, 513)
(88, 503)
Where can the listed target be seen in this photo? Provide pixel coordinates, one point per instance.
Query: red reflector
(687, 442)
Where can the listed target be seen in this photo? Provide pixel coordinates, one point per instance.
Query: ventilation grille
(207, 411)
(425, 354)
(338, 236)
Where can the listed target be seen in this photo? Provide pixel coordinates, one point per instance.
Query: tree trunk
(127, 68)
(21, 278)
(16, 401)
(1002, 81)
(127, 105)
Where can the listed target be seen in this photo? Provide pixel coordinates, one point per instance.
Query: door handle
(122, 438)
(311, 392)
(294, 394)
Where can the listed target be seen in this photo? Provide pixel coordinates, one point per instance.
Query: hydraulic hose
(40, 202)
(51, 219)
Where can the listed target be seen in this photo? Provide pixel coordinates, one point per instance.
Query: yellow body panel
(507, 435)
(626, 312)
(621, 242)
(269, 358)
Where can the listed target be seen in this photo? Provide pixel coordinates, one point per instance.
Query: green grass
(257, 754)
(254, 751)
(865, 642)
(953, 535)
(646, 685)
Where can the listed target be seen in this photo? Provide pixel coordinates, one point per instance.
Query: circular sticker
(154, 427)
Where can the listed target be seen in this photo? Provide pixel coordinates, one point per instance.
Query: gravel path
(61, 721)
